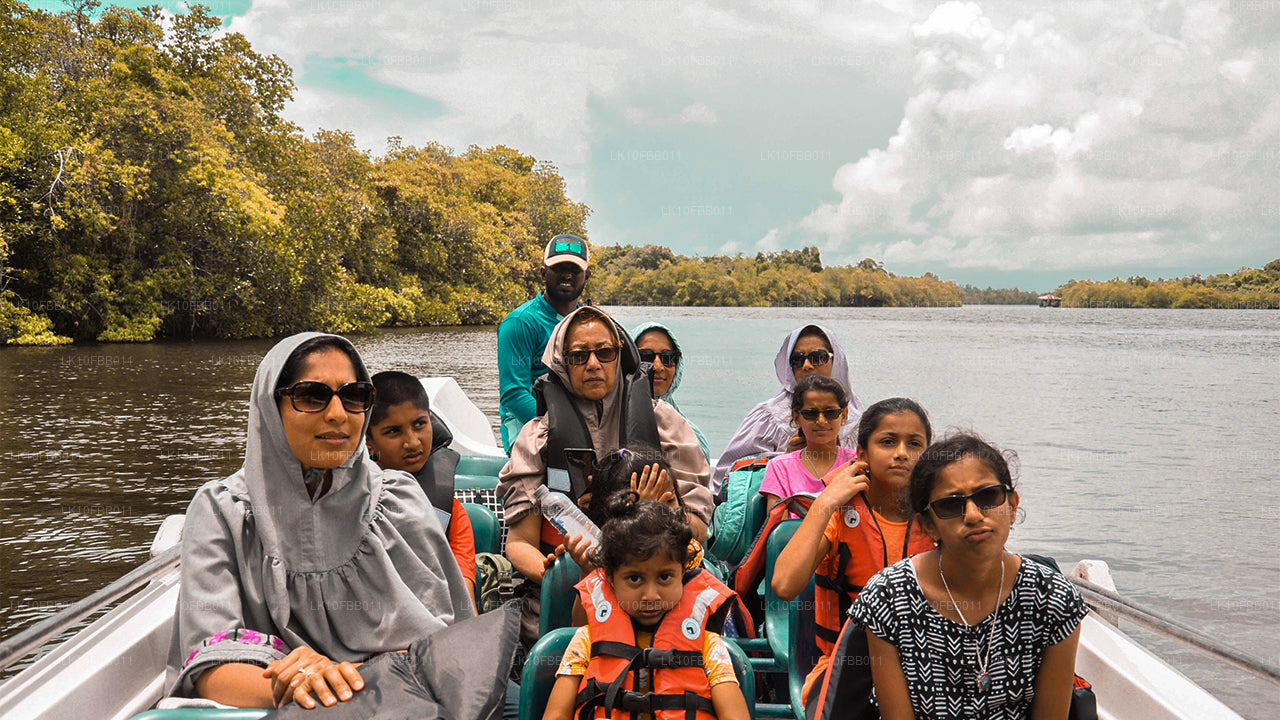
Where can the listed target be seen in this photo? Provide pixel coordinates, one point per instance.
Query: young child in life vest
(400, 438)
(639, 598)
(860, 523)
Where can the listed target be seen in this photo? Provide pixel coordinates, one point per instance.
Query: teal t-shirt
(522, 337)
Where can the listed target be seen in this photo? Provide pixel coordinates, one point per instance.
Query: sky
(995, 142)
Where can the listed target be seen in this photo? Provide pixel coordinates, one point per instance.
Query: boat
(1049, 300)
(114, 668)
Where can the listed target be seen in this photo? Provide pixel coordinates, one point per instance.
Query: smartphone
(582, 464)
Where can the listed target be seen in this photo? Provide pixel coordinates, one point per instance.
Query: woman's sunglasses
(953, 506)
(605, 355)
(811, 414)
(310, 396)
(670, 358)
(816, 358)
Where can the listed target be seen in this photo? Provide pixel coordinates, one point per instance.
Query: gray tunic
(363, 569)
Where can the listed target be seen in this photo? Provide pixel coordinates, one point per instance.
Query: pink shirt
(787, 475)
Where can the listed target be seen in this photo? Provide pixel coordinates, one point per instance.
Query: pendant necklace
(809, 464)
(984, 677)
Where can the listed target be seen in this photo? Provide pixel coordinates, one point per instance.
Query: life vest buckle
(657, 658)
(668, 658)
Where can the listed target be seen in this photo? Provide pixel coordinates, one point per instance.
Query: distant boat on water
(1050, 300)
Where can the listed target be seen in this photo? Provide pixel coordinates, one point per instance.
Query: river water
(1147, 438)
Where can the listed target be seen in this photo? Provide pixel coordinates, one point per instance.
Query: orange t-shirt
(894, 533)
(462, 541)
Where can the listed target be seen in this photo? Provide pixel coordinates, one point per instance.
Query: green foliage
(997, 296)
(149, 187)
(653, 275)
(1248, 288)
(20, 326)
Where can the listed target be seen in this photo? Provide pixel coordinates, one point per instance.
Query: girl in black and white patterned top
(969, 630)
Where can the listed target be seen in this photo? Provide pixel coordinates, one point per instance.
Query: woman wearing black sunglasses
(310, 558)
(658, 347)
(767, 428)
(970, 628)
(594, 400)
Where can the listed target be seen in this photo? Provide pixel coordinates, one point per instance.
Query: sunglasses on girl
(815, 358)
(605, 355)
(310, 396)
(670, 358)
(953, 506)
(811, 414)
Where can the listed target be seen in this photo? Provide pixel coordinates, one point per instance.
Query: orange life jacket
(679, 687)
(549, 538)
(859, 554)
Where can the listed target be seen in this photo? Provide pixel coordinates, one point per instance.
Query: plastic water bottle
(566, 517)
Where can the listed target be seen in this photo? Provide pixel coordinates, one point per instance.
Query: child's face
(402, 440)
(977, 530)
(820, 431)
(648, 589)
(893, 449)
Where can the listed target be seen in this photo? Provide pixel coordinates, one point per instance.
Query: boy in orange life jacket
(640, 598)
(860, 524)
(400, 438)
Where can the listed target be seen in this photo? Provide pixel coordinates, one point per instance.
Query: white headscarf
(767, 427)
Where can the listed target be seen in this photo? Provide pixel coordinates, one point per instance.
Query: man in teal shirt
(523, 334)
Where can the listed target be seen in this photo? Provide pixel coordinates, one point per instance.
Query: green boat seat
(783, 631)
(539, 674)
(484, 525)
(474, 482)
(480, 465)
(556, 608)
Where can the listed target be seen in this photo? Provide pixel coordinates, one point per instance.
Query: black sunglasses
(953, 506)
(812, 414)
(670, 358)
(310, 396)
(816, 358)
(606, 354)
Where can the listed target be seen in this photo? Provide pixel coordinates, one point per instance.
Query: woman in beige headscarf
(589, 354)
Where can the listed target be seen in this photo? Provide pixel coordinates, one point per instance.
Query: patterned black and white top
(940, 656)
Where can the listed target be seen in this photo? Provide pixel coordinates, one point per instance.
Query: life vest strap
(825, 633)
(596, 696)
(647, 657)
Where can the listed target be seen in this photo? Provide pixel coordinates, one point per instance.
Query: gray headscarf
(361, 569)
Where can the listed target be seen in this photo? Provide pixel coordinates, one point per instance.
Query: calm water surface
(1148, 438)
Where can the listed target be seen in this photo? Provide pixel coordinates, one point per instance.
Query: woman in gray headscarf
(767, 428)
(310, 558)
(656, 343)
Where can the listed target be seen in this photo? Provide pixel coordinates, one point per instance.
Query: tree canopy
(1246, 288)
(149, 187)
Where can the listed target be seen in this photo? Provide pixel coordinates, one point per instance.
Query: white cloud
(1027, 132)
(1059, 136)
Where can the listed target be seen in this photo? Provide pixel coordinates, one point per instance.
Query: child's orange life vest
(679, 686)
(860, 552)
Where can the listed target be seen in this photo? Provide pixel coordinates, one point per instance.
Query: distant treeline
(654, 275)
(1245, 288)
(149, 188)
